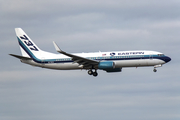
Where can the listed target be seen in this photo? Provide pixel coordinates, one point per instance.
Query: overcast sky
(28, 92)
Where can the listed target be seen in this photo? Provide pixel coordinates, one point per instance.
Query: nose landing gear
(156, 67)
(155, 70)
(90, 72)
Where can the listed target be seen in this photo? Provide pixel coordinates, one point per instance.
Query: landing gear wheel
(155, 70)
(95, 74)
(90, 72)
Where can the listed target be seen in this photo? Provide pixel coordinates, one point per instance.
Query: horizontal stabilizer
(20, 57)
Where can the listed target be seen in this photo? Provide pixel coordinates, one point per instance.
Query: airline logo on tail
(29, 43)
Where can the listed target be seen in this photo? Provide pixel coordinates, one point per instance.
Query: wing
(87, 63)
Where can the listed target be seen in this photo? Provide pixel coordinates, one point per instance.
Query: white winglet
(56, 47)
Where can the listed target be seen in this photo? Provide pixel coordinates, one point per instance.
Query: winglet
(57, 48)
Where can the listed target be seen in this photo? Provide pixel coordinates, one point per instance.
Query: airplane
(112, 61)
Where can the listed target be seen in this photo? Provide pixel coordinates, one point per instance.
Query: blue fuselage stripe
(107, 58)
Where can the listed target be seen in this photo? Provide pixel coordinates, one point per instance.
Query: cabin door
(151, 56)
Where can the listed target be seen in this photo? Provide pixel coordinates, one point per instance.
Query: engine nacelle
(106, 65)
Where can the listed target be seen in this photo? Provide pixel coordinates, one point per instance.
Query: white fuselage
(120, 58)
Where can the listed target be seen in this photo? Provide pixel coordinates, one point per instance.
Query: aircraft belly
(58, 66)
(62, 66)
(128, 63)
(137, 63)
(152, 62)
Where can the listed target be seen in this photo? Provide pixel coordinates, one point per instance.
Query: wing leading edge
(87, 63)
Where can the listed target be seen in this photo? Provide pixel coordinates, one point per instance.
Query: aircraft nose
(167, 59)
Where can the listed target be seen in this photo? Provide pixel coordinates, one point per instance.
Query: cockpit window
(160, 55)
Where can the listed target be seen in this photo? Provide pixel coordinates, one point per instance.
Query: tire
(90, 72)
(155, 70)
(95, 74)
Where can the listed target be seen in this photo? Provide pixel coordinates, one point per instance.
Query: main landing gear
(90, 72)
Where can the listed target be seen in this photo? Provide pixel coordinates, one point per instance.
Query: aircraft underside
(93, 71)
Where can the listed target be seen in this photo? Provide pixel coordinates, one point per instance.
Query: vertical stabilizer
(27, 46)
